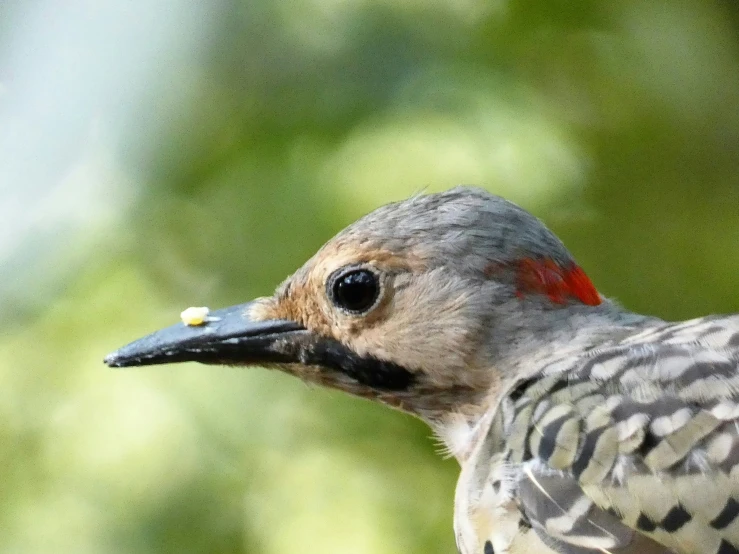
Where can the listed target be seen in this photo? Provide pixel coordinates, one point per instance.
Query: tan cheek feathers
(424, 328)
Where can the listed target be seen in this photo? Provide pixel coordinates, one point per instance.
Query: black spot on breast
(650, 442)
(586, 454)
(727, 548)
(645, 524)
(558, 386)
(520, 389)
(488, 549)
(548, 441)
(727, 515)
(675, 519)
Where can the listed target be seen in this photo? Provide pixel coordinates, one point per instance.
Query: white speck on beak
(194, 316)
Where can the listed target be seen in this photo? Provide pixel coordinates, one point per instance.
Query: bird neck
(517, 348)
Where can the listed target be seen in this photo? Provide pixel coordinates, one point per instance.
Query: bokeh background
(157, 155)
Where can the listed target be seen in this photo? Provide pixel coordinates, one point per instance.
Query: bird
(579, 426)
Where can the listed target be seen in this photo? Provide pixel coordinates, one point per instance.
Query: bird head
(417, 305)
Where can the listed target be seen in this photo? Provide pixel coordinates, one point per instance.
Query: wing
(638, 443)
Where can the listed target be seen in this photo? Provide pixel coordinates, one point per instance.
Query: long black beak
(228, 336)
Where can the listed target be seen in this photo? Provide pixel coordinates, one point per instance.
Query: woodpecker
(580, 427)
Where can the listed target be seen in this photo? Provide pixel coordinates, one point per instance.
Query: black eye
(355, 291)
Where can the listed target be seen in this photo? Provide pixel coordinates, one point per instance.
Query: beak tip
(114, 359)
(130, 355)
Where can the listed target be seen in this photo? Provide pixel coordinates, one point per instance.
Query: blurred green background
(157, 155)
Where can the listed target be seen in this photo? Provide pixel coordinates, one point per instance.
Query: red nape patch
(558, 283)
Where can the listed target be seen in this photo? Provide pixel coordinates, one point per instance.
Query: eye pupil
(356, 291)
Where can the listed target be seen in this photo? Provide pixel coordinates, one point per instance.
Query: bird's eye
(355, 291)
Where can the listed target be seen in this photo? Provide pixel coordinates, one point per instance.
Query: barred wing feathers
(637, 444)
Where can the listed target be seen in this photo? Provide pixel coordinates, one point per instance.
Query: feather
(633, 448)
